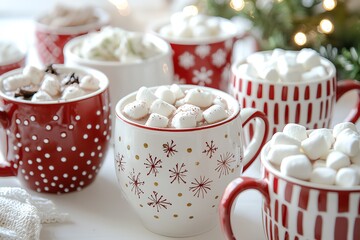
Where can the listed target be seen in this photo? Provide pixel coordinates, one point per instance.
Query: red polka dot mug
(55, 147)
(174, 178)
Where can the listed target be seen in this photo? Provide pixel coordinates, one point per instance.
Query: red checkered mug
(296, 209)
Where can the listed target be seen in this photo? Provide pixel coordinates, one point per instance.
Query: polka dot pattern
(60, 148)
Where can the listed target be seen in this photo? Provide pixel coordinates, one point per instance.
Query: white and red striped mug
(295, 209)
(309, 103)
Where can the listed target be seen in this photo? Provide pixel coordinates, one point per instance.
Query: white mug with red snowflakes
(174, 178)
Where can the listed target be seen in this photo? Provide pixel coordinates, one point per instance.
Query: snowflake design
(120, 163)
(153, 164)
(223, 165)
(210, 149)
(178, 79)
(178, 173)
(229, 44)
(136, 183)
(202, 77)
(200, 187)
(186, 60)
(158, 202)
(169, 148)
(219, 58)
(202, 51)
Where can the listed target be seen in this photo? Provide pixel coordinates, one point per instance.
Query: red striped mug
(308, 103)
(295, 209)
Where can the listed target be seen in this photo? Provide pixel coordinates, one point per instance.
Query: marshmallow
(166, 31)
(314, 147)
(297, 166)
(295, 131)
(314, 73)
(319, 163)
(308, 58)
(278, 152)
(157, 120)
(192, 109)
(269, 73)
(179, 102)
(356, 159)
(161, 107)
(136, 110)
(356, 167)
(341, 126)
(51, 85)
(337, 160)
(276, 53)
(347, 177)
(350, 144)
(323, 175)
(201, 31)
(14, 82)
(281, 138)
(145, 95)
(289, 69)
(164, 93)
(40, 96)
(327, 133)
(182, 31)
(214, 114)
(199, 98)
(184, 120)
(178, 93)
(89, 83)
(220, 101)
(35, 74)
(72, 91)
(197, 20)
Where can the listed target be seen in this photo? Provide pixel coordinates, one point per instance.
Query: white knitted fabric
(21, 214)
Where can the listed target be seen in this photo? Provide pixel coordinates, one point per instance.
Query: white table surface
(100, 211)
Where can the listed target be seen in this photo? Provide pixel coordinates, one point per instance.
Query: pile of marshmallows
(116, 44)
(49, 86)
(285, 66)
(170, 106)
(9, 52)
(322, 156)
(184, 25)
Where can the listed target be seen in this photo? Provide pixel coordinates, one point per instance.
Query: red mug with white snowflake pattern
(55, 147)
(203, 61)
(174, 178)
(309, 103)
(50, 40)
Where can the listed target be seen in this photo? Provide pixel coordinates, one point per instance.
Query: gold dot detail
(197, 163)
(128, 147)
(156, 184)
(191, 217)
(232, 170)
(239, 134)
(126, 185)
(189, 150)
(137, 157)
(156, 216)
(175, 215)
(146, 145)
(216, 197)
(213, 206)
(119, 138)
(141, 205)
(226, 136)
(189, 204)
(180, 194)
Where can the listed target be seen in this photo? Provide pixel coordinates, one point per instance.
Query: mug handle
(261, 132)
(232, 191)
(343, 87)
(5, 169)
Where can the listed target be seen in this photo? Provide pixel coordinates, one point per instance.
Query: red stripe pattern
(310, 104)
(310, 213)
